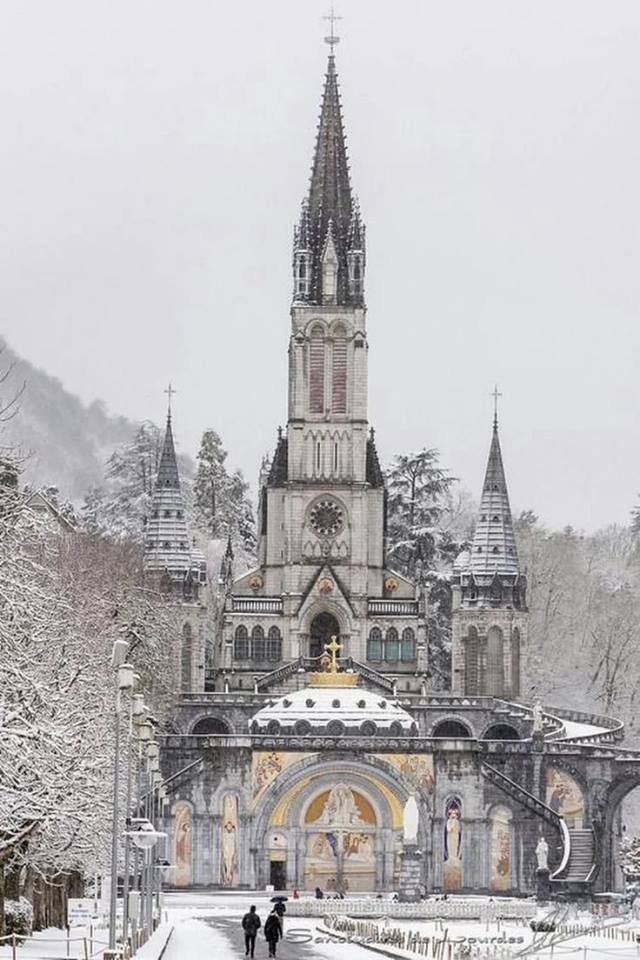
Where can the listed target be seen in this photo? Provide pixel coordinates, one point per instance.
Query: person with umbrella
(279, 907)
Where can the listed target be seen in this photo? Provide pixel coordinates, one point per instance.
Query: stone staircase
(577, 864)
(581, 865)
(292, 676)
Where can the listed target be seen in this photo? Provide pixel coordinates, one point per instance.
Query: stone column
(410, 884)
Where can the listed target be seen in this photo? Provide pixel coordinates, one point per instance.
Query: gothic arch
(493, 684)
(186, 658)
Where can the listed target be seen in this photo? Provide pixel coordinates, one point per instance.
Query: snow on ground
(575, 729)
(195, 939)
(53, 943)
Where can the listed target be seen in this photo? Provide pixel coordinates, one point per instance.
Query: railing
(538, 807)
(280, 674)
(521, 795)
(372, 675)
(452, 908)
(392, 608)
(256, 605)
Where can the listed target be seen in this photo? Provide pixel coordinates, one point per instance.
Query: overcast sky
(153, 162)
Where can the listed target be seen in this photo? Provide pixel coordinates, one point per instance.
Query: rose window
(326, 518)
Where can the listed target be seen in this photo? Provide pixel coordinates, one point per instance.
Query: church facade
(295, 757)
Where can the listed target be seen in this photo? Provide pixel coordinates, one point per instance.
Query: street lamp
(138, 712)
(124, 681)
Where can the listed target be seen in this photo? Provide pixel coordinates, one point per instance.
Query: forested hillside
(60, 441)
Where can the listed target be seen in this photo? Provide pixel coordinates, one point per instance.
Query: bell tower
(490, 616)
(327, 420)
(321, 560)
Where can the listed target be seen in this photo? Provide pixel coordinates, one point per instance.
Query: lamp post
(145, 837)
(124, 681)
(137, 714)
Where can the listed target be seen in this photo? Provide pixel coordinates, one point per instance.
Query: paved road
(232, 931)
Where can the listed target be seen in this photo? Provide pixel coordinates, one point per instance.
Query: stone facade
(285, 769)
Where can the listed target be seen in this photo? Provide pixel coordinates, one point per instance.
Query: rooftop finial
(496, 396)
(169, 392)
(332, 39)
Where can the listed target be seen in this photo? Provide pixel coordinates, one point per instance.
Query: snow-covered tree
(118, 507)
(221, 501)
(428, 524)
(64, 598)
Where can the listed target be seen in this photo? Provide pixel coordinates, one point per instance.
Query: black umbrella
(278, 899)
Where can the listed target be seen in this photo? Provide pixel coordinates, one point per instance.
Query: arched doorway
(323, 627)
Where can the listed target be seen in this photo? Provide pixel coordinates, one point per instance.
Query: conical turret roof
(168, 475)
(494, 545)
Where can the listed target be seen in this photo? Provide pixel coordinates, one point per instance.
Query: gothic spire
(329, 207)
(494, 544)
(168, 469)
(167, 543)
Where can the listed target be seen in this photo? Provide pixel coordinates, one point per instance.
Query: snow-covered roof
(334, 710)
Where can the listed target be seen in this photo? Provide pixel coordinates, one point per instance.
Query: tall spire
(168, 475)
(168, 549)
(494, 545)
(329, 209)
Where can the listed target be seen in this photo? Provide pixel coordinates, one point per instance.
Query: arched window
(408, 646)
(257, 644)
(515, 662)
(374, 644)
(274, 644)
(316, 370)
(339, 384)
(241, 644)
(494, 685)
(185, 661)
(391, 646)
(471, 662)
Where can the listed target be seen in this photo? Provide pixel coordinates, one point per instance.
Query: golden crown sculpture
(330, 676)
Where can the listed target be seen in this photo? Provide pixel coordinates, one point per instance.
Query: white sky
(154, 158)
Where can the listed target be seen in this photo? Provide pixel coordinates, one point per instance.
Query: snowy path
(222, 938)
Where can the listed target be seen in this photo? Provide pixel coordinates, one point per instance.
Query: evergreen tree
(221, 501)
(119, 506)
(427, 526)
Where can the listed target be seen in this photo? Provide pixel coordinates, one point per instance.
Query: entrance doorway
(323, 627)
(278, 874)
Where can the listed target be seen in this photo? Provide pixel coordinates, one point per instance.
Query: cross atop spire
(332, 39)
(496, 396)
(169, 392)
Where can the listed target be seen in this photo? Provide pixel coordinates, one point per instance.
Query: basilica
(301, 741)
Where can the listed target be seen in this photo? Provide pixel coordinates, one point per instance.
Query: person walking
(273, 931)
(250, 924)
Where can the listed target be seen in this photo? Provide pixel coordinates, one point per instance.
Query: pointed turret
(329, 216)
(168, 549)
(494, 544)
(168, 468)
(490, 617)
